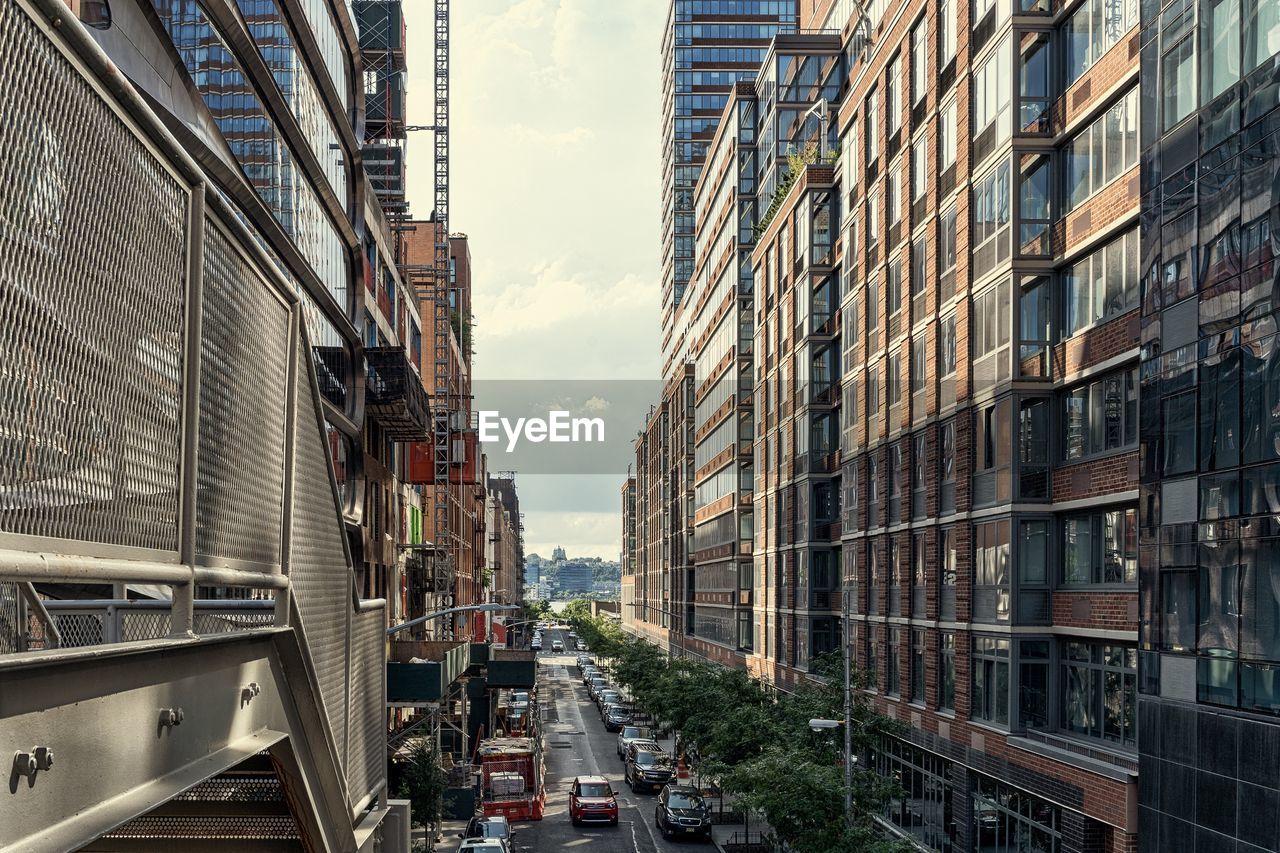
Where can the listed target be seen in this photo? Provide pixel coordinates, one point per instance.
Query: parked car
(598, 683)
(615, 717)
(630, 735)
(557, 646)
(591, 800)
(490, 828)
(681, 811)
(648, 768)
(582, 647)
(589, 672)
(605, 697)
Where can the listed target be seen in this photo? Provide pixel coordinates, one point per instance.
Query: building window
(947, 671)
(891, 661)
(872, 114)
(1178, 81)
(1033, 684)
(1178, 440)
(872, 647)
(1102, 285)
(991, 680)
(947, 467)
(917, 665)
(1100, 692)
(991, 571)
(947, 136)
(919, 553)
(1101, 416)
(947, 254)
(992, 94)
(991, 239)
(946, 32)
(895, 380)
(893, 295)
(893, 196)
(918, 365)
(1102, 152)
(1007, 819)
(919, 171)
(1093, 29)
(893, 95)
(923, 810)
(919, 61)
(873, 220)
(1100, 548)
(1261, 32)
(990, 320)
(1219, 47)
(947, 346)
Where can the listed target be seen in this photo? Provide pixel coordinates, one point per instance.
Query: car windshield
(657, 759)
(491, 829)
(594, 789)
(679, 800)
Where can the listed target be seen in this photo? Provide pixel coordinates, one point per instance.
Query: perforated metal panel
(244, 366)
(10, 627)
(92, 270)
(367, 763)
(320, 576)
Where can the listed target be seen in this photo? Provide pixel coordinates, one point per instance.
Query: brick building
(945, 428)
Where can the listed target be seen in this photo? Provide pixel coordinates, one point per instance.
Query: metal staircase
(161, 427)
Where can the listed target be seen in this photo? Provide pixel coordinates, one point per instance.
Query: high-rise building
(1209, 556)
(706, 48)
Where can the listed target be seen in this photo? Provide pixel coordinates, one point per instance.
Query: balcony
(394, 395)
(438, 665)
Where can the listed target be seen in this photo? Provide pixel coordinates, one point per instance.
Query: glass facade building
(1209, 539)
(708, 45)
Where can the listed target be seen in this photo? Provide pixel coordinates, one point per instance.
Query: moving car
(615, 717)
(536, 645)
(681, 811)
(495, 827)
(631, 734)
(648, 768)
(557, 646)
(591, 800)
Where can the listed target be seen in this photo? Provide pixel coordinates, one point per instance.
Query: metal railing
(159, 409)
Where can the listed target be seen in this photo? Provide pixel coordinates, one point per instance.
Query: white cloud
(555, 176)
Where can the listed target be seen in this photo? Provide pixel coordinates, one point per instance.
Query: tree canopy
(756, 742)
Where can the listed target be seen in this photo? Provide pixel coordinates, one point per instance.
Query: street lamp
(470, 608)
(819, 725)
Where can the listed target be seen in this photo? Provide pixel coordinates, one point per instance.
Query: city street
(577, 744)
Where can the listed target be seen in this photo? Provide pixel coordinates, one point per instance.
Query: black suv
(647, 768)
(681, 811)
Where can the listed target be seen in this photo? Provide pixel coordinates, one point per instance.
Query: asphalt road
(576, 744)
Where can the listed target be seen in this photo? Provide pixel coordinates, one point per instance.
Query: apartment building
(651, 607)
(1208, 560)
(946, 422)
(504, 546)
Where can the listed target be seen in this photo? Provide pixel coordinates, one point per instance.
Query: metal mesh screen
(321, 579)
(210, 827)
(91, 380)
(244, 361)
(10, 622)
(367, 765)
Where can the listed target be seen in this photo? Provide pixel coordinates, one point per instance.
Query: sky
(555, 176)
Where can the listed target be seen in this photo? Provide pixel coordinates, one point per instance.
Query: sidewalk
(449, 841)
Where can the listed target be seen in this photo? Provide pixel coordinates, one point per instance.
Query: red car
(591, 800)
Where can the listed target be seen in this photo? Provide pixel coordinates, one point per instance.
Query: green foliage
(757, 744)
(796, 163)
(423, 783)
